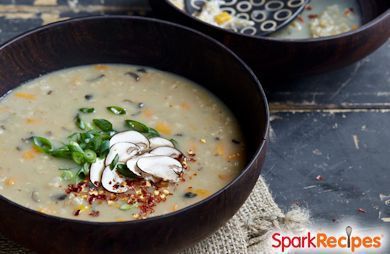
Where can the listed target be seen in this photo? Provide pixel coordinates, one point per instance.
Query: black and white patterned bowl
(268, 15)
(275, 58)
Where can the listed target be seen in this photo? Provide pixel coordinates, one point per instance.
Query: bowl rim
(249, 165)
(365, 26)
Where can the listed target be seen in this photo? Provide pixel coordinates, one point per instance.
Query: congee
(318, 19)
(115, 143)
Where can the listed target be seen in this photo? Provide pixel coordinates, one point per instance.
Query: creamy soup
(115, 143)
(320, 18)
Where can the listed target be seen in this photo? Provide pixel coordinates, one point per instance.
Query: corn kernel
(222, 18)
(9, 182)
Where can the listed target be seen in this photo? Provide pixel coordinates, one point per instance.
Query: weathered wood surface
(334, 125)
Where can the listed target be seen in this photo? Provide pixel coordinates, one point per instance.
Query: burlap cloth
(246, 233)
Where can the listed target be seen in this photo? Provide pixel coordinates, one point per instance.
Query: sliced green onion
(152, 133)
(61, 152)
(74, 137)
(104, 148)
(67, 175)
(42, 144)
(174, 142)
(126, 207)
(107, 135)
(137, 126)
(80, 123)
(96, 143)
(116, 110)
(123, 170)
(114, 162)
(90, 156)
(78, 157)
(103, 124)
(83, 171)
(87, 110)
(75, 147)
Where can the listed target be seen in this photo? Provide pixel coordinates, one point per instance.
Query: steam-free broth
(59, 156)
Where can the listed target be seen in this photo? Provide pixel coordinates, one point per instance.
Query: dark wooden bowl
(272, 58)
(164, 46)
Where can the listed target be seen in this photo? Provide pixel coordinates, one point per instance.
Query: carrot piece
(148, 113)
(219, 150)
(101, 67)
(175, 207)
(225, 177)
(233, 156)
(9, 182)
(25, 96)
(163, 128)
(32, 120)
(185, 106)
(202, 193)
(30, 154)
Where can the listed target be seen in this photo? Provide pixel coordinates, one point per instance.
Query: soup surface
(323, 18)
(320, 18)
(47, 127)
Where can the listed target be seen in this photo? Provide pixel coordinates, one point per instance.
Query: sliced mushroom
(132, 164)
(158, 141)
(162, 167)
(96, 171)
(166, 151)
(113, 182)
(125, 151)
(130, 137)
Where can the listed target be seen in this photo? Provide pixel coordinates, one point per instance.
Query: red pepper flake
(312, 16)
(91, 199)
(300, 19)
(320, 178)
(308, 7)
(94, 213)
(191, 159)
(140, 191)
(361, 210)
(74, 188)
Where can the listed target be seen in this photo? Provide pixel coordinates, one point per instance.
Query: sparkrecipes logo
(346, 241)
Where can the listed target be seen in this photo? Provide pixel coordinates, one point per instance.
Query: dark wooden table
(330, 136)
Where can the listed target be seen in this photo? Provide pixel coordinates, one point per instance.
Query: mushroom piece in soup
(115, 143)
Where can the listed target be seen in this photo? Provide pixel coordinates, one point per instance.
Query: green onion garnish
(67, 175)
(42, 144)
(116, 110)
(90, 156)
(114, 162)
(123, 170)
(87, 110)
(83, 171)
(79, 122)
(137, 126)
(78, 157)
(103, 124)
